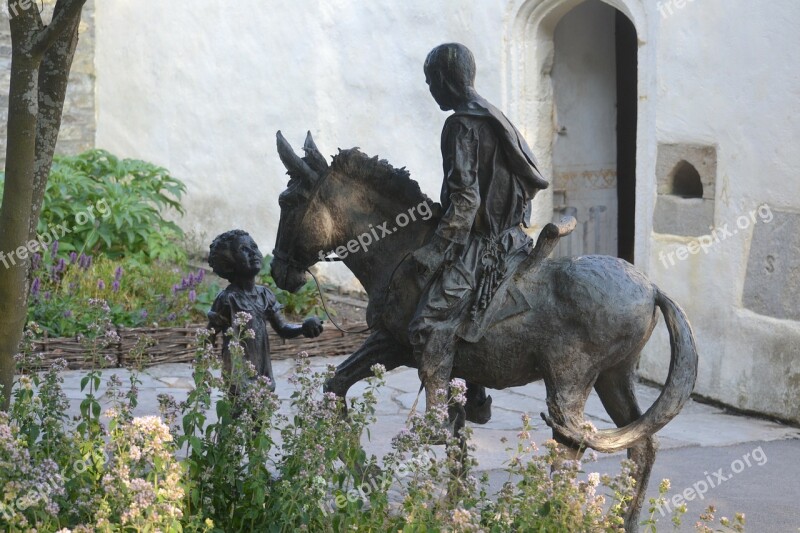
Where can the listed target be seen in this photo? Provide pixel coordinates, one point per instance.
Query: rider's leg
(436, 363)
(432, 331)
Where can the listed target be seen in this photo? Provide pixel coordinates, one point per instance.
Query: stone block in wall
(689, 217)
(772, 283)
(703, 158)
(686, 183)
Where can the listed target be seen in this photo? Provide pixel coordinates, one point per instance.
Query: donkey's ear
(314, 157)
(295, 166)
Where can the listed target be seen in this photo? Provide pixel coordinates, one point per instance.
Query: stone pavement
(694, 446)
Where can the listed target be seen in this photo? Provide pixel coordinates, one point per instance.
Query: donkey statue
(584, 323)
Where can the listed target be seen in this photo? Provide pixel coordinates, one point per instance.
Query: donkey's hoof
(481, 413)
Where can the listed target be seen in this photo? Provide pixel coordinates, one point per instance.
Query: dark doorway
(627, 46)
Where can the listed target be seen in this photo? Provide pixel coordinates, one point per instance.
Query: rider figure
(490, 177)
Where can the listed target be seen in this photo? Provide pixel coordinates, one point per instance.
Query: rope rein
(325, 305)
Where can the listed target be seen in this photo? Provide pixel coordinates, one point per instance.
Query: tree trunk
(29, 152)
(53, 81)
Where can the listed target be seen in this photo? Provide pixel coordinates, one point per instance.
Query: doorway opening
(595, 94)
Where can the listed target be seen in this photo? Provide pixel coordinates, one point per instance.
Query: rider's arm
(460, 155)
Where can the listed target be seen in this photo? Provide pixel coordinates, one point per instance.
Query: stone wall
(78, 125)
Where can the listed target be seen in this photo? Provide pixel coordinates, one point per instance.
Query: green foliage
(111, 206)
(138, 294)
(252, 468)
(304, 302)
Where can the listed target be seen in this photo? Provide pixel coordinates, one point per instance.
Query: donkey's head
(306, 224)
(361, 208)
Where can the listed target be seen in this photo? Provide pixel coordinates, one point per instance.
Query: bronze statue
(577, 323)
(234, 256)
(490, 177)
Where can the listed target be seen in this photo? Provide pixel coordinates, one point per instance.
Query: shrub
(237, 476)
(138, 294)
(115, 207)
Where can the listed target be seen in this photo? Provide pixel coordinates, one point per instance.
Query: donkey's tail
(678, 388)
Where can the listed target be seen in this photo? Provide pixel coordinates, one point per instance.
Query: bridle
(288, 256)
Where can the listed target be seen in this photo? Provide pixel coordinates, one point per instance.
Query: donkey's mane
(380, 173)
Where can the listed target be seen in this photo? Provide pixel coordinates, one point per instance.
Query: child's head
(234, 255)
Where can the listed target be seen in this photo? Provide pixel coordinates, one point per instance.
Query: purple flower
(54, 248)
(118, 273)
(143, 314)
(101, 284)
(36, 261)
(192, 295)
(47, 295)
(61, 265)
(172, 316)
(175, 289)
(35, 287)
(68, 313)
(72, 258)
(115, 286)
(201, 274)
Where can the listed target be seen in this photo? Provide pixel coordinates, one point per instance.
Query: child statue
(235, 257)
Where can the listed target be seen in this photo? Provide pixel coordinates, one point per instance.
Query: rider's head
(450, 74)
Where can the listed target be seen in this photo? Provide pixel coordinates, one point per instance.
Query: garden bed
(178, 345)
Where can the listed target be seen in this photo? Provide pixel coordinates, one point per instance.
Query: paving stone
(698, 425)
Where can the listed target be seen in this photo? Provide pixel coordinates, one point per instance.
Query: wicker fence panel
(178, 345)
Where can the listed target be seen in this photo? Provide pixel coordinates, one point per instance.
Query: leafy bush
(301, 303)
(237, 476)
(138, 294)
(111, 206)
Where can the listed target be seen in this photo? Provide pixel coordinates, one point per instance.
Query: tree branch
(64, 16)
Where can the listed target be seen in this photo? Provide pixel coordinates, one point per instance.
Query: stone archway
(595, 181)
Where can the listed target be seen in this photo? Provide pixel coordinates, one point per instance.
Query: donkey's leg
(568, 388)
(379, 348)
(616, 390)
(479, 405)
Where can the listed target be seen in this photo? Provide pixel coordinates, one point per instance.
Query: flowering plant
(138, 294)
(247, 463)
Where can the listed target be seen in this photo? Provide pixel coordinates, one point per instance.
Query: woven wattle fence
(178, 345)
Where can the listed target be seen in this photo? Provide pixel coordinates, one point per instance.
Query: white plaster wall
(728, 77)
(201, 87)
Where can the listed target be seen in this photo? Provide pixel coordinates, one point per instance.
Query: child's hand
(312, 327)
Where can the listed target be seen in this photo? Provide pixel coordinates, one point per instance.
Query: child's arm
(311, 327)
